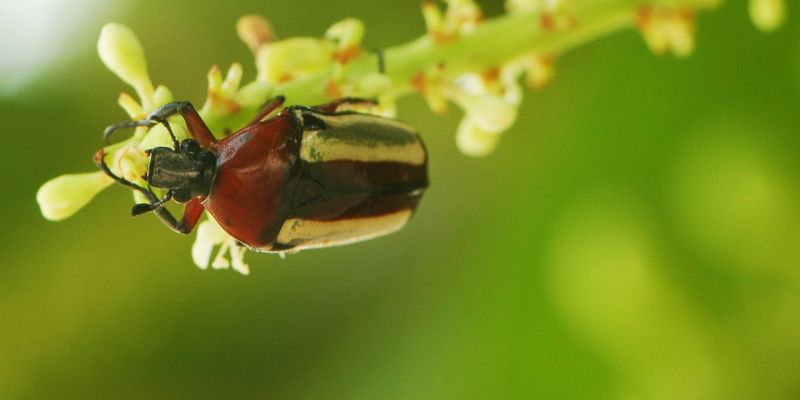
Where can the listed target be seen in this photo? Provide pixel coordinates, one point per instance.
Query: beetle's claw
(140, 208)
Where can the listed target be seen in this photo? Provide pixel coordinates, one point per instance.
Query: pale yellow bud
(131, 106)
(667, 29)
(161, 96)
(254, 94)
(347, 34)
(232, 81)
(474, 141)
(767, 15)
(214, 79)
(122, 53)
(255, 31)
(432, 14)
(63, 196)
(284, 60)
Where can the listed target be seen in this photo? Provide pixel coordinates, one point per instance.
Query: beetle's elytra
(307, 177)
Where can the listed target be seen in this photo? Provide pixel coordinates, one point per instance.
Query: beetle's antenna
(171, 134)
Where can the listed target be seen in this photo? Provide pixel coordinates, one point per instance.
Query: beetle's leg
(268, 108)
(124, 125)
(197, 127)
(333, 106)
(141, 208)
(191, 214)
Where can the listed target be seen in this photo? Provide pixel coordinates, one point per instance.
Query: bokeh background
(636, 235)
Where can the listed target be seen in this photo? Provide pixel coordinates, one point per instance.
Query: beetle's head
(187, 171)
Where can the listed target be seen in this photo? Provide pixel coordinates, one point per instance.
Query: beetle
(306, 177)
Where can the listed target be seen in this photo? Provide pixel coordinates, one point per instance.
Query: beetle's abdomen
(361, 176)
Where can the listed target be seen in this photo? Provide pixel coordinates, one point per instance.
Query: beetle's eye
(190, 146)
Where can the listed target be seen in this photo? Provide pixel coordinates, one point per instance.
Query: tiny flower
(129, 162)
(667, 30)
(131, 106)
(254, 94)
(63, 196)
(432, 85)
(474, 141)
(489, 110)
(209, 235)
(122, 53)
(767, 15)
(513, 6)
(255, 31)
(461, 16)
(292, 58)
(162, 96)
(489, 107)
(538, 70)
(347, 35)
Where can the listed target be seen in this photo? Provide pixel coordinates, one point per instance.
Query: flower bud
(209, 234)
(284, 60)
(347, 35)
(255, 31)
(667, 30)
(61, 197)
(122, 53)
(254, 94)
(131, 106)
(474, 141)
(161, 96)
(767, 15)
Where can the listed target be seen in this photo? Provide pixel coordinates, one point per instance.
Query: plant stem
(491, 44)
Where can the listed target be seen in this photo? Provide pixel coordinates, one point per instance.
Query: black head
(187, 171)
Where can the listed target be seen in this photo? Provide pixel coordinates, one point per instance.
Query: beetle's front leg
(191, 214)
(197, 127)
(268, 108)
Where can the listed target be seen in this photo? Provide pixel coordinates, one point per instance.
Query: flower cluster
(462, 59)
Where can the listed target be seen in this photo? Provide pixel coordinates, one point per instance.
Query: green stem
(492, 43)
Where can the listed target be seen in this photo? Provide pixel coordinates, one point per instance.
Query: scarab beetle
(306, 177)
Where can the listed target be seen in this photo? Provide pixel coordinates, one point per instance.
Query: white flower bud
(61, 197)
(237, 260)
(209, 234)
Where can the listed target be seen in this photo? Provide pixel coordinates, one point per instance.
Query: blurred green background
(636, 235)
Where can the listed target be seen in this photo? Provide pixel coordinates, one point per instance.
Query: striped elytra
(309, 178)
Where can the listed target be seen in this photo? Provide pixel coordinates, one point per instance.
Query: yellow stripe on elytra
(315, 149)
(381, 140)
(308, 234)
